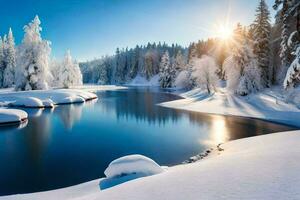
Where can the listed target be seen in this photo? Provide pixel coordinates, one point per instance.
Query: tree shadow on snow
(111, 182)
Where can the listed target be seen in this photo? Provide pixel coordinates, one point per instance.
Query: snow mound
(132, 164)
(48, 103)
(72, 99)
(12, 115)
(45, 98)
(30, 102)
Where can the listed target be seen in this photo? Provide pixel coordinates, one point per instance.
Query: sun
(224, 31)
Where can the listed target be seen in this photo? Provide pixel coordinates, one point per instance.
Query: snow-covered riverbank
(44, 99)
(263, 167)
(268, 105)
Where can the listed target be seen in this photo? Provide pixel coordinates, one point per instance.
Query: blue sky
(91, 28)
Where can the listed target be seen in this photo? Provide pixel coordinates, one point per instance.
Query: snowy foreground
(269, 104)
(262, 167)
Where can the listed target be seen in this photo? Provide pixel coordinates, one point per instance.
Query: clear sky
(91, 28)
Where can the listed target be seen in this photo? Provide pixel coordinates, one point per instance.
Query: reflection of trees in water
(69, 114)
(140, 105)
(224, 128)
(37, 135)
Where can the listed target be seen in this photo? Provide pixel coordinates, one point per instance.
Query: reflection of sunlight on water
(218, 133)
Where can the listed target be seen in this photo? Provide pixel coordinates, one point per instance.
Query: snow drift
(12, 115)
(45, 98)
(132, 164)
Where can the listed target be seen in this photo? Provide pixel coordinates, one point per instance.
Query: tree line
(256, 57)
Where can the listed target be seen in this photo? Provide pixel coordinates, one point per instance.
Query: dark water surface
(72, 144)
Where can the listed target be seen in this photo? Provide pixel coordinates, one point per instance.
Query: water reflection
(139, 105)
(219, 131)
(119, 123)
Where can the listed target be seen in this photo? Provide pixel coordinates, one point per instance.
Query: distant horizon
(92, 28)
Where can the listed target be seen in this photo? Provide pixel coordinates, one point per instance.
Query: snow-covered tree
(293, 73)
(126, 64)
(69, 72)
(284, 49)
(241, 68)
(167, 73)
(190, 69)
(182, 80)
(54, 67)
(120, 72)
(179, 62)
(205, 71)
(104, 71)
(33, 59)
(9, 60)
(1, 62)
(261, 36)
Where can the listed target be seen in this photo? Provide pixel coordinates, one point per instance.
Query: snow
(142, 81)
(44, 98)
(93, 88)
(12, 115)
(269, 104)
(30, 102)
(263, 167)
(132, 164)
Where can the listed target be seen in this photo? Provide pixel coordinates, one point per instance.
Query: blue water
(74, 143)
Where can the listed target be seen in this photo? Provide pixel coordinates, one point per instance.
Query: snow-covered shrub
(33, 57)
(132, 164)
(205, 71)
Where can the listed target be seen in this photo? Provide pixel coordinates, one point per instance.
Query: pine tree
(103, 72)
(242, 74)
(1, 62)
(9, 60)
(70, 74)
(179, 62)
(33, 59)
(261, 36)
(293, 73)
(284, 49)
(134, 62)
(166, 75)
